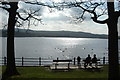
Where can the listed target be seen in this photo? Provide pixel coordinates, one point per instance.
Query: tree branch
(5, 3)
(117, 13)
(24, 19)
(19, 24)
(90, 9)
(7, 9)
(36, 18)
(95, 15)
(98, 21)
(42, 4)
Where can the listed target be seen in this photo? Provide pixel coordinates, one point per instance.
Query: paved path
(72, 67)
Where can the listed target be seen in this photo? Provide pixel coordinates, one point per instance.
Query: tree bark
(11, 67)
(113, 43)
(113, 50)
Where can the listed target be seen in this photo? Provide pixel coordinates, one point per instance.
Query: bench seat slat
(62, 60)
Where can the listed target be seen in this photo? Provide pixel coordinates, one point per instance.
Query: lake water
(52, 47)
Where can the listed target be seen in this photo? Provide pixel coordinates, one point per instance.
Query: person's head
(88, 55)
(94, 55)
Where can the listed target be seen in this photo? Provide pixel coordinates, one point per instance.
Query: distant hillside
(31, 33)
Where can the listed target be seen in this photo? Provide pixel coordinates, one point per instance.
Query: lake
(53, 47)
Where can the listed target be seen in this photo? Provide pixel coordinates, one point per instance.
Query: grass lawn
(41, 73)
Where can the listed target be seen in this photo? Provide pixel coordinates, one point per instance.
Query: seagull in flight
(61, 49)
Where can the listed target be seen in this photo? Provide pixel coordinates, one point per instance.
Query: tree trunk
(113, 43)
(113, 50)
(11, 67)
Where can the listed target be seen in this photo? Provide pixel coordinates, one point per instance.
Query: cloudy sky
(64, 21)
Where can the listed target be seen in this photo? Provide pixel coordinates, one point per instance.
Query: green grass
(0, 70)
(40, 73)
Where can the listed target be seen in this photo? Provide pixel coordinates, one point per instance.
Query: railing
(43, 61)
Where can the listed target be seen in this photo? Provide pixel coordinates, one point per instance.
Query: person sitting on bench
(94, 60)
(87, 61)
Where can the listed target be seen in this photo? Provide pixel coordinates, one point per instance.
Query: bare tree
(86, 6)
(106, 8)
(16, 16)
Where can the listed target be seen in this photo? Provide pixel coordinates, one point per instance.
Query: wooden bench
(57, 62)
(98, 62)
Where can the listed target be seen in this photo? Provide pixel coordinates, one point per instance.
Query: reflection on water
(58, 47)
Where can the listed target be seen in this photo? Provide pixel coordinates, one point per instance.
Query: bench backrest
(91, 60)
(62, 60)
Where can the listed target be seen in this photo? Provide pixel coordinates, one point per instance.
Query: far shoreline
(55, 37)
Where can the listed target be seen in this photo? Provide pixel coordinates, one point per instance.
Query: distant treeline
(31, 33)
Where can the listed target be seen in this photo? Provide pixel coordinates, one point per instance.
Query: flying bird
(61, 49)
(84, 48)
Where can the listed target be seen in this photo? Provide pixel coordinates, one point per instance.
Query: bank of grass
(41, 73)
(0, 70)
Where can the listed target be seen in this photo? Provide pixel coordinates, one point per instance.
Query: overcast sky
(63, 21)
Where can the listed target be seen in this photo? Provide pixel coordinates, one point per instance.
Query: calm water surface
(64, 48)
(50, 47)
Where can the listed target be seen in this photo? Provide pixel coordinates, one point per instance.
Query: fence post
(68, 66)
(103, 60)
(22, 61)
(39, 61)
(57, 58)
(5, 61)
(74, 60)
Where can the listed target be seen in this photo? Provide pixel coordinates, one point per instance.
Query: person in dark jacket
(78, 60)
(94, 60)
(87, 61)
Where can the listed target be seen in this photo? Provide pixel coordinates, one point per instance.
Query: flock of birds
(66, 54)
(63, 50)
